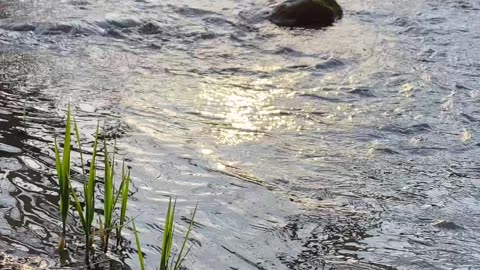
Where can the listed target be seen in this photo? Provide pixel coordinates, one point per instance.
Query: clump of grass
(111, 199)
(86, 218)
(86, 211)
(167, 242)
(63, 174)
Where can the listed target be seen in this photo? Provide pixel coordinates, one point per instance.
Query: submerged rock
(443, 224)
(306, 13)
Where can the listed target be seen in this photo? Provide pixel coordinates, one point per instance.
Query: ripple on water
(9, 164)
(9, 149)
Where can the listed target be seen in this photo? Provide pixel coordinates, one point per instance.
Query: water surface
(305, 149)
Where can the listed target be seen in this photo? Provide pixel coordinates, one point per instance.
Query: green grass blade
(67, 148)
(90, 185)
(63, 209)
(168, 235)
(62, 165)
(112, 164)
(79, 144)
(120, 188)
(125, 191)
(64, 186)
(58, 164)
(78, 206)
(180, 254)
(139, 248)
(89, 189)
(108, 196)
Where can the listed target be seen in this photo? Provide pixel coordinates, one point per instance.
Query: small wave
(364, 92)
(319, 97)
(289, 51)
(9, 149)
(193, 12)
(330, 64)
(45, 28)
(413, 129)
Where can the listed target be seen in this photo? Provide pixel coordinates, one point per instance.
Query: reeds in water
(167, 243)
(110, 200)
(108, 197)
(87, 216)
(86, 210)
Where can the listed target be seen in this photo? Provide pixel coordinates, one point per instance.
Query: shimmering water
(306, 149)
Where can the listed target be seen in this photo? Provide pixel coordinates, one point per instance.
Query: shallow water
(305, 149)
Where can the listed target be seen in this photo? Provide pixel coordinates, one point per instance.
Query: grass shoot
(108, 197)
(123, 192)
(167, 242)
(181, 256)
(139, 247)
(63, 174)
(86, 218)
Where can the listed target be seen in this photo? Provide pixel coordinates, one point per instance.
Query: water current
(338, 148)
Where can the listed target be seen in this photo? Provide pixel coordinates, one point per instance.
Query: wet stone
(306, 13)
(150, 28)
(444, 224)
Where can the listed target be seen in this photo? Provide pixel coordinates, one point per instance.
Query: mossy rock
(306, 13)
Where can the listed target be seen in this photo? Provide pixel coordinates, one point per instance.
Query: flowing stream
(340, 148)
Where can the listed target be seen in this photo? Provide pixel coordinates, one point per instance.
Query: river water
(338, 148)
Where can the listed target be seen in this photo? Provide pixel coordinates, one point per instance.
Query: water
(305, 149)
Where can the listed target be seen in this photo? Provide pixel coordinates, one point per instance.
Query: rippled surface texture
(321, 149)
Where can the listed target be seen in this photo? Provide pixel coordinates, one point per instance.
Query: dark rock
(21, 27)
(306, 13)
(150, 28)
(443, 224)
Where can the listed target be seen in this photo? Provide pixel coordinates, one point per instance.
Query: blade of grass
(62, 165)
(58, 163)
(79, 208)
(90, 193)
(124, 192)
(86, 217)
(79, 144)
(108, 196)
(168, 235)
(190, 227)
(168, 240)
(117, 195)
(139, 248)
